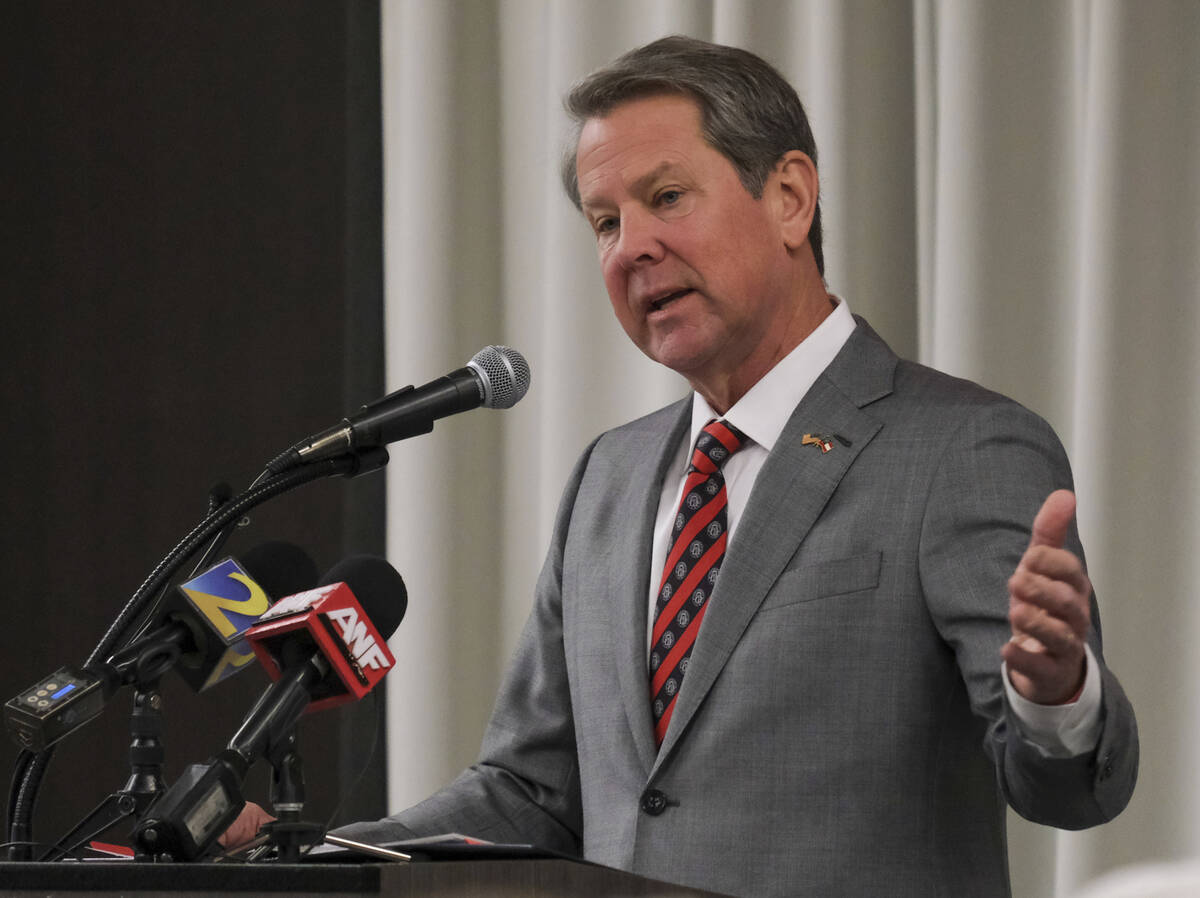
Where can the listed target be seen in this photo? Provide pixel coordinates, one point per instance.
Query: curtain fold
(1010, 194)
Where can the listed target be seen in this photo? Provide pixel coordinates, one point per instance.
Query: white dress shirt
(761, 414)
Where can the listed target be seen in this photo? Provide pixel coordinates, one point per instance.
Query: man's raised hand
(1049, 609)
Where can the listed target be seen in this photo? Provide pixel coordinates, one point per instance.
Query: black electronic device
(53, 707)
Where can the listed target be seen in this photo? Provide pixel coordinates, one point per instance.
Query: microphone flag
(230, 601)
(330, 621)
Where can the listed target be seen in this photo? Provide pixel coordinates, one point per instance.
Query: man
(857, 649)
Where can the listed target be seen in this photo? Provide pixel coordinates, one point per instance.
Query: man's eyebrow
(656, 173)
(642, 183)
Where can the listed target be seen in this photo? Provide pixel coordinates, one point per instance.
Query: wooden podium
(435, 879)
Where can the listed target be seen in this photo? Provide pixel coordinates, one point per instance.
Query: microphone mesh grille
(504, 373)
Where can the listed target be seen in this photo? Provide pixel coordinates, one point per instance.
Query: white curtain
(1011, 194)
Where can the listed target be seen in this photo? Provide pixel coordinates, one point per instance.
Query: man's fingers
(1057, 636)
(1030, 664)
(1042, 677)
(1048, 609)
(1057, 564)
(245, 827)
(1053, 519)
(1032, 594)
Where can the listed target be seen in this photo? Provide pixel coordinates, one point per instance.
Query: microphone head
(503, 374)
(218, 605)
(380, 590)
(280, 568)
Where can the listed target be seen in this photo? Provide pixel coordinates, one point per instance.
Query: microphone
(495, 377)
(332, 623)
(198, 631)
(208, 616)
(324, 647)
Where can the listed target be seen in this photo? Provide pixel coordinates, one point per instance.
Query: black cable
(24, 759)
(23, 797)
(376, 737)
(218, 495)
(28, 846)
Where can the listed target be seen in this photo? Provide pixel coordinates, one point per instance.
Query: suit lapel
(787, 498)
(638, 482)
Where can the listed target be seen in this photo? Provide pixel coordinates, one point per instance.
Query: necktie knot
(717, 441)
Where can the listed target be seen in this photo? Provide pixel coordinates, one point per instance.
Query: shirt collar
(763, 412)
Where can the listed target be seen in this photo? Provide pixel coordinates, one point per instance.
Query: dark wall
(191, 263)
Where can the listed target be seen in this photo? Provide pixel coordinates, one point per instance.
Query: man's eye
(670, 197)
(604, 225)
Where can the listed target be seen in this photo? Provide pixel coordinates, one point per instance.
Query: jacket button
(654, 802)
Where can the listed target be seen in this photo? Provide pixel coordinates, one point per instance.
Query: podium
(436, 879)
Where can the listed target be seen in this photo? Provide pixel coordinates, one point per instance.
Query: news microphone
(198, 631)
(323, 647)
(495, 377)
(347, 622)
(207, 616)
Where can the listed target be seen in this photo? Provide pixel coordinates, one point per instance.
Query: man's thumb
(1053, 519)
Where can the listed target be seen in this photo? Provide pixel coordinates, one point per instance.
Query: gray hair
(748, 111)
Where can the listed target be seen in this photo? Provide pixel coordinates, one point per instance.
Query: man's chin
(685, 358)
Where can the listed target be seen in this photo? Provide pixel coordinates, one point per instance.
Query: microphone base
(143, 788)
(291, 836)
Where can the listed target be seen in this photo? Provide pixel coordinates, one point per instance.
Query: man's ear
(798, 188)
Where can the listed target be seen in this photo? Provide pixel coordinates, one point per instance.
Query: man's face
(696, 268)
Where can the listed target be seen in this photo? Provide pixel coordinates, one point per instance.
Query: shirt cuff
(1060, 731)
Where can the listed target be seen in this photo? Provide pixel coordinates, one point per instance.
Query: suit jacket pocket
(823, 579)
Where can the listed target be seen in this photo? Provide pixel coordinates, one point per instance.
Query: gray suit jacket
(842, 728)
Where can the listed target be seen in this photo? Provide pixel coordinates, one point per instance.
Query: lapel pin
(823, 442)
(820, 440)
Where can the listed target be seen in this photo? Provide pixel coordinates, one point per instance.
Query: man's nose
(640, 241)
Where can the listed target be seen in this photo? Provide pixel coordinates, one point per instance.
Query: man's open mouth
(659, 303)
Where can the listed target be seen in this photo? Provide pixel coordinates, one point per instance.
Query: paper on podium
(443, 847)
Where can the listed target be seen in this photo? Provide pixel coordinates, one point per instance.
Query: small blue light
(63, 691)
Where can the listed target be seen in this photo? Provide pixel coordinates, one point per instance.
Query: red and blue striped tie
(693, 561)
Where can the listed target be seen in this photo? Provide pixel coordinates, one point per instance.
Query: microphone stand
(145, 782)
(31, 766)
(288, 833)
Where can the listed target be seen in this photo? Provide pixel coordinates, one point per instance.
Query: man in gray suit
(897, 634)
